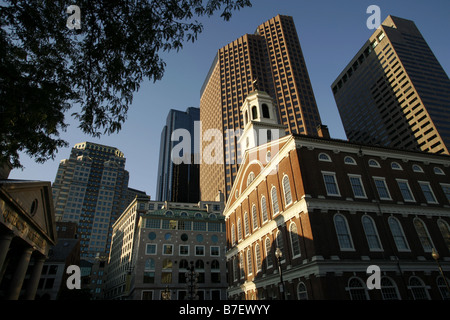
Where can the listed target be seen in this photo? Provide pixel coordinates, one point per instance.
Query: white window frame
(380, 249)
(409, 189)
(361, 183)
(333, 174)
(386, 186)
(431, 190)
(352, 247)
(408, 249)
(285, 176)
(149, 245)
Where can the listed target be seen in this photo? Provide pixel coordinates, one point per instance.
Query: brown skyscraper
(274, 58)
(395, 93)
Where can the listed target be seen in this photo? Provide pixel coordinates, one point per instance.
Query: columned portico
(19, 275)
(27, 231)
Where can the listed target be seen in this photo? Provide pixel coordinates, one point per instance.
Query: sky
(331, 32)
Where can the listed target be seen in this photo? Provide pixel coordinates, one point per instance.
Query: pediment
(32, 200)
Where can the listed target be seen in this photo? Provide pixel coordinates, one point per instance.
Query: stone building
(154, 245)
(27, 232)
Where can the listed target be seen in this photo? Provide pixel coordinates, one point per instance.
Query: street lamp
(191, 282)
(279, 255)
(166, 294)
(435, 256)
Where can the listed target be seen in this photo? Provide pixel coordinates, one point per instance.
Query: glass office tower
(273, 57)
(394, 92)
(178, 178)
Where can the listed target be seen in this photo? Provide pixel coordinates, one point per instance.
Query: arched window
(397, 233)
(167, 264)
(396, 166)
(264, 209)
(268, 246)
(357, 289)
(417, 168)
(254, 218)
(254, 113)
(199, 265)
(349, 160)
(215, 265)
(371, 233)
(235, 269)
(302, 294)
(249, 262)
(418, 289)
(275, 207)
(239, 228)
(149, 271)
(343, 233)
(149, 265)
(233, 235)
(295, 243)
(445, 231)
(438, 170)
(246, 224)
(265, 111)
(250, 178)
(324, 157)
(389, 290)
(287, 190)
(374, 163)
(183, 264)
(443, 288)
(423, 234)
(258, 258)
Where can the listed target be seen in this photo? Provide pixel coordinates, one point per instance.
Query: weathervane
(255, 85)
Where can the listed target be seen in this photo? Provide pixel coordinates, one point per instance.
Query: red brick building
(334, 208)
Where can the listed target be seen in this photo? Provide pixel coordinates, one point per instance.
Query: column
(5, 242)
(35, 276)
(19, 274)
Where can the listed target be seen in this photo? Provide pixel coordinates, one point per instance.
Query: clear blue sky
(330, 32)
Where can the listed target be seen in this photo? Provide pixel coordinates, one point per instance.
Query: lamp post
(166, 293)
(435, 256)
(191, 282)
(279, 255)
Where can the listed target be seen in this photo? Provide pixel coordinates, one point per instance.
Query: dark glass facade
(178, 181)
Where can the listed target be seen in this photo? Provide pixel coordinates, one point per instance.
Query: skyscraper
(91, 189)
(394, 92)
(273, 58)
(178, 171)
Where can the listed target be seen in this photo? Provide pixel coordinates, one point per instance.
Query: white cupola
(260, 121)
